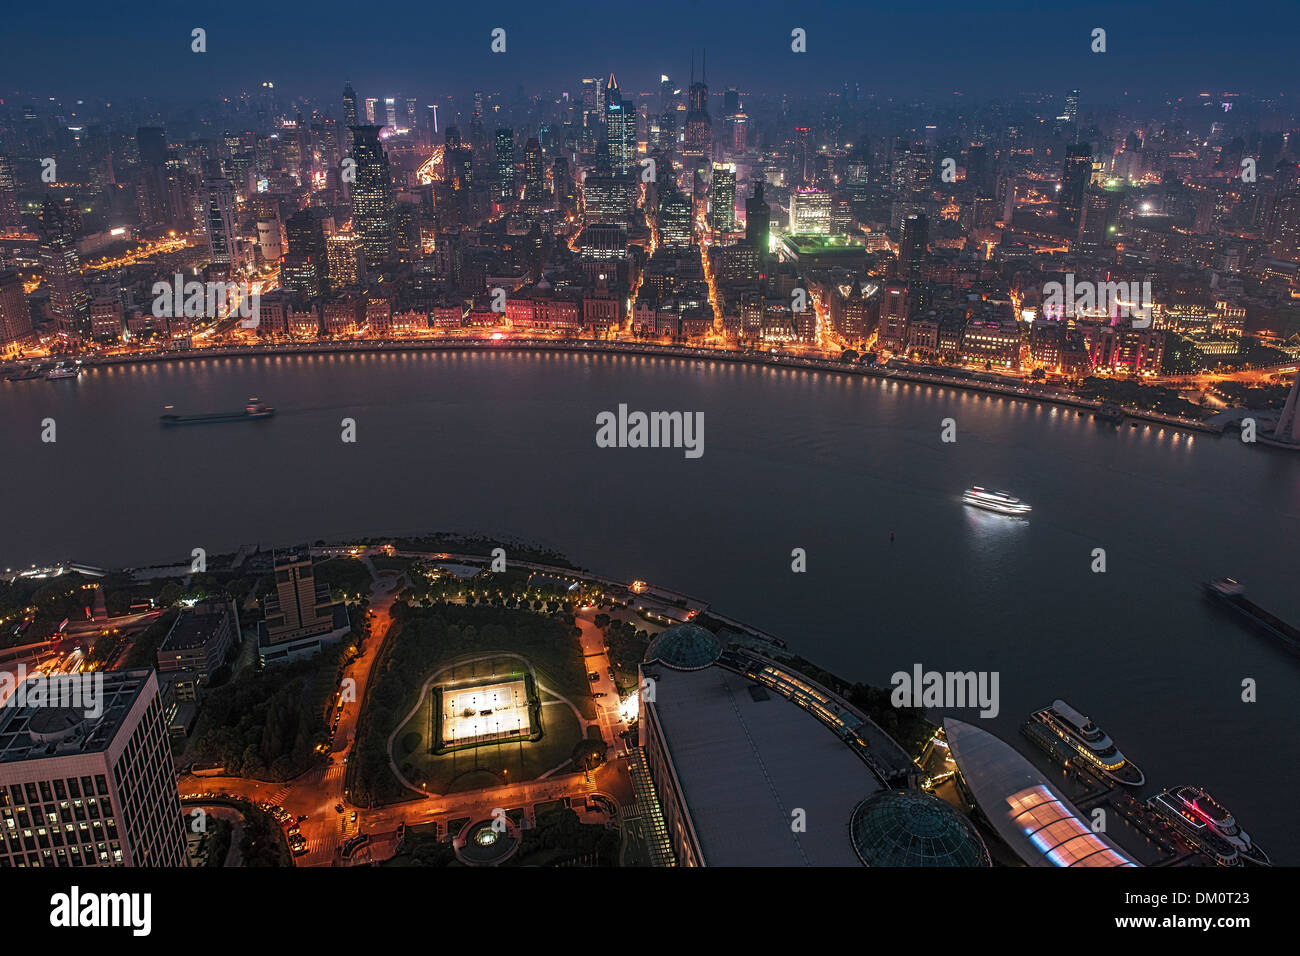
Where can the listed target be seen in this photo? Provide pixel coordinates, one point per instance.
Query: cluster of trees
(1155, 398)
(424, 639)
(560, 837)
(266, 725)
(627, 644)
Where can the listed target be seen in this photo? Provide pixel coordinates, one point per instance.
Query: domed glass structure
(684, 647)
(913, 828)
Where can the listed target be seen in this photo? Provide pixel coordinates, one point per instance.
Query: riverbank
(1029, 391)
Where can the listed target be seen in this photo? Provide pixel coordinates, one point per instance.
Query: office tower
(810, 211)
(534, 172)
(562, 182)
(476, 136)
(758, 220)
(801, 170)
(372, 196)
(1071, 114)
(411, 113)
(676, 218)
(390, 112)
(910, 169)
(90, 786)
(620, 129)
(15, 316)
(270, 239)
(406, 230)
(61, 269)
(722, 197)
(300, 605)
(1284, 227)
(698, 139)
(739, 133)
(304, 270)
(912, 246)
(371, 103)
(977, 169)
(505, 158)
(344, 253)
(349, 105)
(1074, 183)
(1096, 221)
(219, 221)
(731, 102)
(10, 220)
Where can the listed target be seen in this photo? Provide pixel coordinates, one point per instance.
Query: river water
(504, 443)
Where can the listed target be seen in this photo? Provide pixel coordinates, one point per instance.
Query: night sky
(99, 49)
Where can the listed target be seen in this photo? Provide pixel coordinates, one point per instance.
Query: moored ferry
(1199, 811)
(1194, 828)
(997, 501)
(1088, 741)
(64, 370)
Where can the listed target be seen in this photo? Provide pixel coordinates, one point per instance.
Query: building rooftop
(684, 647)
(746, 760)
(1028, 813)
(34, 730)
(195, 626)
(914, 828)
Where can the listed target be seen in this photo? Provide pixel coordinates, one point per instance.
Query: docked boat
(1200, 811)
(1087, 740)
(1232, 594)
(1196, 830)
(64, 370)
(996, 501)
(24, 373)
(253, 411)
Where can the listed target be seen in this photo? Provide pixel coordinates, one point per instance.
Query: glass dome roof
(913, 828)
(684, 647)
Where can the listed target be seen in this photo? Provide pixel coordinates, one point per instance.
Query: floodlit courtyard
(485, 713)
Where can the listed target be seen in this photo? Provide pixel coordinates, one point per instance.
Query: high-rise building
(698, 139)
(810, 211)
(90, 786)
(676, 218)
(505, 160)
(15, 316)
(620, 129)
(534, 172)
(372, 196)
(349, 105)
(10, 220)
(219, 221)
(304, 270)
(912, 246)
(1074, 184)
(722, 197)
(758, 220)
(343, 250)
(299, 616)
(61, 269)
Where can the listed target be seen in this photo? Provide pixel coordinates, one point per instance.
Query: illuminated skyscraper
(372, 196)
(9, 218)
(505, 156)
(722, 197)
(219, 221)
(15, 316)
(620, 129)
(698, 141)
(61, 270)
(349, 105)
(912, 246)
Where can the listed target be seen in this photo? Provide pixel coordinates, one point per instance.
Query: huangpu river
(504, 443)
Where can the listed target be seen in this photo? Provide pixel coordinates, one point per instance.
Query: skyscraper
(505, 156)
(620, 129)
(1074, 183)
(219, 221)
(15, 317)
(722, 197)
(758, 220)
(698, 140)
(349, 105)
(912, 246)
(372, 196)
(61, 268)
(90, 788)
(9, 217)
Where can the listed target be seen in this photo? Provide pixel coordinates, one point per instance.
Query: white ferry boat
(1088, 740)
(997, 501)
(1199, 809)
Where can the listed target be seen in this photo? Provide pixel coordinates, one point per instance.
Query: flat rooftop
(89, 735)
(746, 758)
(196, 626)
